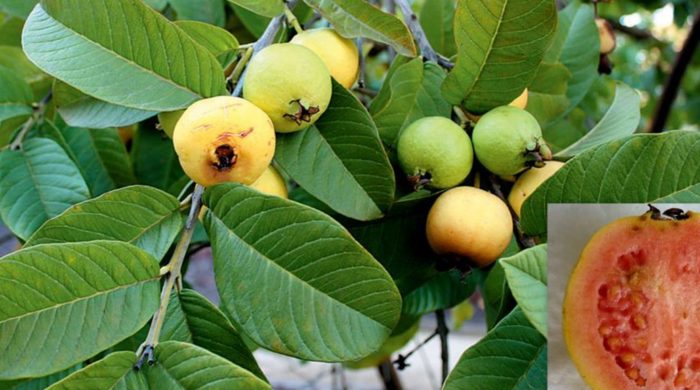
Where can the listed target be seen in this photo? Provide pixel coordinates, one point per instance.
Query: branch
(426, 50)
(37, 115)
(524, 241)
(389, 375)
(444, 354)
(145, 351)
(401, 360)
(663, 107)
(634, 32)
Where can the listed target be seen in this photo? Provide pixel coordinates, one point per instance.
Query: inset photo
(624, 296)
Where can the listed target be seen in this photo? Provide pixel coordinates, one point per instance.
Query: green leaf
(513, 355)
(638, 169)
(137, 58)
(621, 120)
(437, 20)
(38, 182)
(357, 18)
(687, 195)
(206, 11)
(443, 291)
(13, 58)
(178, 366)
(500, 44)
(157, 4)
(17, 8)
(192, 318)
(410, 92)
(63, 303)
(102, 158)
(498, 300)
(320, 295)
(526, 273)
(221, 43)
(254, 24)
(155, 161)
(399, 243)
(15, 95)
(11, 32)
(340, 160)
(269, 8)
(40, 383)
(547, 93)
(143, 216)
(80, 110)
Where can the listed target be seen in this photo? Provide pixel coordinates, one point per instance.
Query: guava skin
(339, 54)
(271, 182)
(529, 181)
(167, 121)
(224, 139)
(507, 140)
(290, 83)
(435, 152)
(471, 223)
(520, 101)
(606, 35)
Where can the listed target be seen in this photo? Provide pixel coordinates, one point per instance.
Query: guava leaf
(498, 300)
(399, 243)
(340, 159)
(294, 280)
(193, 319)
(269, 8)
(15, 95)
(500, 44)
(206, 11)
(39, 383)
(638, 169)
(140, 215)
(63, 303)
(410, 92)
(513, 355)
(357, 18)
(221, 43)
(14, 59)
(158, 5)
(547, 93)
(11, 31)
(80, 110)
(155, 161)
(437, 20)
(442, 291)
(178, 366)
(136, 57)
(687, 195)
(101, 157)
(17, 8)
(28, 187)
(526, 273)
(621, 119)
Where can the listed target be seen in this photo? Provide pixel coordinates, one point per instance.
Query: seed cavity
(304, 114)
(226, 158)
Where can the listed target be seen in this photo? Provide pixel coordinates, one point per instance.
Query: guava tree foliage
(340, 272)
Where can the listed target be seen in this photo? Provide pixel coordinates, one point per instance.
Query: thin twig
(292, 19)
(240, 65)
(663, 107)
(401, 360)
(417, 30)
(367, 92)
(524, 241)
(145, 351)
(444, 354)
(363, 64)
(37, 115)
(634, 32)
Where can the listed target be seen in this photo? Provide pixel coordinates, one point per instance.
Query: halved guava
(632, 305)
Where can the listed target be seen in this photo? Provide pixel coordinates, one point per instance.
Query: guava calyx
(304, 114)
(538, 154)
(419, 180)
(675, 214)
(226, 158)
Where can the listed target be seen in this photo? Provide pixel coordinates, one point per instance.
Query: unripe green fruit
(507, 140)
(167, 121)
(436, 152)
(290, 83)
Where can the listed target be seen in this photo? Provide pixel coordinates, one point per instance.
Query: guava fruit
(508, 139)
(290, 83)
(339, 54)
(520, 101)
(167, 121)
(271, 183)
(631, 311)
(528, 182)
(606, 35)
(471, 223)
(435, 152)
(224, 139)
(126, 134)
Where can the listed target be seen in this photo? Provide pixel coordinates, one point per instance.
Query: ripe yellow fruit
(520, 101)
(271, 183)
(290, 83)
(471, 223)
(339, 54)
(224, 139)
(528, 182)
(606, 35)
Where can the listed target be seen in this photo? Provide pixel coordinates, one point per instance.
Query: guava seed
(226, 156)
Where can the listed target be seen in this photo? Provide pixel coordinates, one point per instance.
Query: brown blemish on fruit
(226, 158)
(304, 114)
(636, 228)
(245, 133)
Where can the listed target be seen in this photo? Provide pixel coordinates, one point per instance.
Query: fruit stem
(292, 19)
(37, 115)
(145, 351)
(417, 30)
(240, 65)
(523, 240)
(363, 63)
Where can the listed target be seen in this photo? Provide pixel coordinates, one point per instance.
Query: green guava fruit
(168, 119)
(435, 152)
(508, 139)
(631, 309)
(290, 83)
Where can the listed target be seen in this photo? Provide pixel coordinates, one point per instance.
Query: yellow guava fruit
(339, 54)
(528, 182)
(606, 35)
(271, 183)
